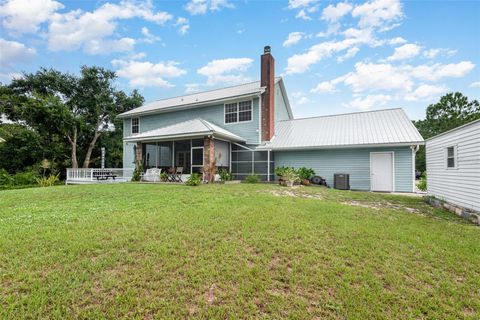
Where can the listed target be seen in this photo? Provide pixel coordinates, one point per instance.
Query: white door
(381, 171)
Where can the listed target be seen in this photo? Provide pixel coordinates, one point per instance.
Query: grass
(232, 251)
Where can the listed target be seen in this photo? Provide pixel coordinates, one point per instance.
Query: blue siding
(281, 111)
(355, 162)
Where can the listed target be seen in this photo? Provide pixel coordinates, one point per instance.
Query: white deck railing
(99, 175)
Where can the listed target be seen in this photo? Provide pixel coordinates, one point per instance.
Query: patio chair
(178, 174)
(152, 175)
(171, 174)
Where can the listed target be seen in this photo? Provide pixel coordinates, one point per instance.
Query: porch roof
(187, 129)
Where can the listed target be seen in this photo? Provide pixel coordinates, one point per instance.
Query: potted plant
(305, 174)
(290, 176)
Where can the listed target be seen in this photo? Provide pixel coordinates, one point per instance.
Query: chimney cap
(266, 50)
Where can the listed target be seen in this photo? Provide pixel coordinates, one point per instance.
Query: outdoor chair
(178, 174)
(152, 175)
(171, 175)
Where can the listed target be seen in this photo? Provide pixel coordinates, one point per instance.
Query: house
(453, 166)
(250, 129)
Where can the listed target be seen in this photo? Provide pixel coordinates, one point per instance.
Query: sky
(334, 56)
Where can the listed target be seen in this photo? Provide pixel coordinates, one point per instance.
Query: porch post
(138, 153)
(208, 156)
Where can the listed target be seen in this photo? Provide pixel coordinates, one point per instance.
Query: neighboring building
(453, 166)
(250, 129)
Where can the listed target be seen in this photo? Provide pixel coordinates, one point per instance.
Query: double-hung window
(238, 111)
(451, 157)
(135, 125)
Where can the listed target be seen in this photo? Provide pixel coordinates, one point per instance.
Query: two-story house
(250, 129)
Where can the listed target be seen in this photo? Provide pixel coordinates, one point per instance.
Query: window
(238, 111)
(135, 125)
(451, 157)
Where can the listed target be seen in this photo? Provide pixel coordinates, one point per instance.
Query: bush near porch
(232, 251)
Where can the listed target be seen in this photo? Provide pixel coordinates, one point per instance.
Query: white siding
(460, 186)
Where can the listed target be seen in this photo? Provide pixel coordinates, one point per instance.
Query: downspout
(414, 152)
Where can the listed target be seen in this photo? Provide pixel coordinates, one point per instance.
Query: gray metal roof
(381, 127)
(190, 128)
(199, 99)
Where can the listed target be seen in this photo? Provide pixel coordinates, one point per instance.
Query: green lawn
(232, 251)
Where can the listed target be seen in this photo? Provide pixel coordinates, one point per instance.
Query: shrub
(25, 178)
(290, 176)
(305, 173)
(163, 176)
(48, 182)
(137, 173)
(5, 178)
(422, 184)
(194, 180)
(253, 178)
(280, 171)
(225, 175)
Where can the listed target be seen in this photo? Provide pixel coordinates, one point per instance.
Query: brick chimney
(267, 80)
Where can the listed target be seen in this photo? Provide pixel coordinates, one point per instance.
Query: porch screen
(247, 162)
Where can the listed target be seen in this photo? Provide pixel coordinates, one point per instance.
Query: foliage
(137, 172)
(225, 175)
(48, 181)
(5, 178)
(280, 171)
(22, 148)
(305, 173)
(422, 184)
(18, 179)
(253, 178)
(71, 113)
(453, 110)
(290, 175)
(194, 180)
(163, 176)
(243, 252)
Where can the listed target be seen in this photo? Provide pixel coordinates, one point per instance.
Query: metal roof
(381, 127)
(199, 99)
(190, 128)
(454, 129)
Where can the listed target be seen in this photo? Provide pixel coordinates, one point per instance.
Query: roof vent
(267, 50)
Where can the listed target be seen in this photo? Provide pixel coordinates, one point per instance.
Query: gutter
(349, 146)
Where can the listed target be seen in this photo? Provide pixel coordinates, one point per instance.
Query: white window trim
(131, 125)
(238, 112)
(455, 157)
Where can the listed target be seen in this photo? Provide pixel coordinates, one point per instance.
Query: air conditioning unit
(341, 181)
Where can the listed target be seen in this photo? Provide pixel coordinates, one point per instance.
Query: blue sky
(335, 57)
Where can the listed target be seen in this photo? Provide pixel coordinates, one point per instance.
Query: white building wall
(460, 185)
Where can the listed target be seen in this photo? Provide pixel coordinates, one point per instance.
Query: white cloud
(438, 71)
(475, 84)
(148, 74)
(77, 29)
(426, 92)
(396, 41)
(378, 13)
(297, 4)
(226, 71)
(192, 87)
(406, 51)
(199, 7)
(12, 52)
(304, 6)
(352, 52)
(101, 46)
(334, 13)
(149, 37)
(25, 16)
(183, 25)
(324, 87)
(369, 102)
(433, 53)
(6, 78)
(299, 98)
(293, 38)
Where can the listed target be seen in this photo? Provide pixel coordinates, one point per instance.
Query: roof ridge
(206, 124)
(343, 114)
(211, 90)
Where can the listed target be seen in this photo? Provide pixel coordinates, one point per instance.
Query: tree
(453, 110)
(78, 109)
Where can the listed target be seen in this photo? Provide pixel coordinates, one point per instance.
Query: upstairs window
(135, 125)
(238, 111)
(452, 157)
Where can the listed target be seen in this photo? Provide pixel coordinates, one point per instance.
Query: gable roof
(381, 127)
(199, 99)
(189, 128)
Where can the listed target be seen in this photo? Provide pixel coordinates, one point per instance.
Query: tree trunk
(86, 162)
(73, 143)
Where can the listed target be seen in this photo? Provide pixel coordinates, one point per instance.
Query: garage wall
(355, 162)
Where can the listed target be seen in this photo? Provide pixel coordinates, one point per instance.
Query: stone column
(138, 153)
(208, 156)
